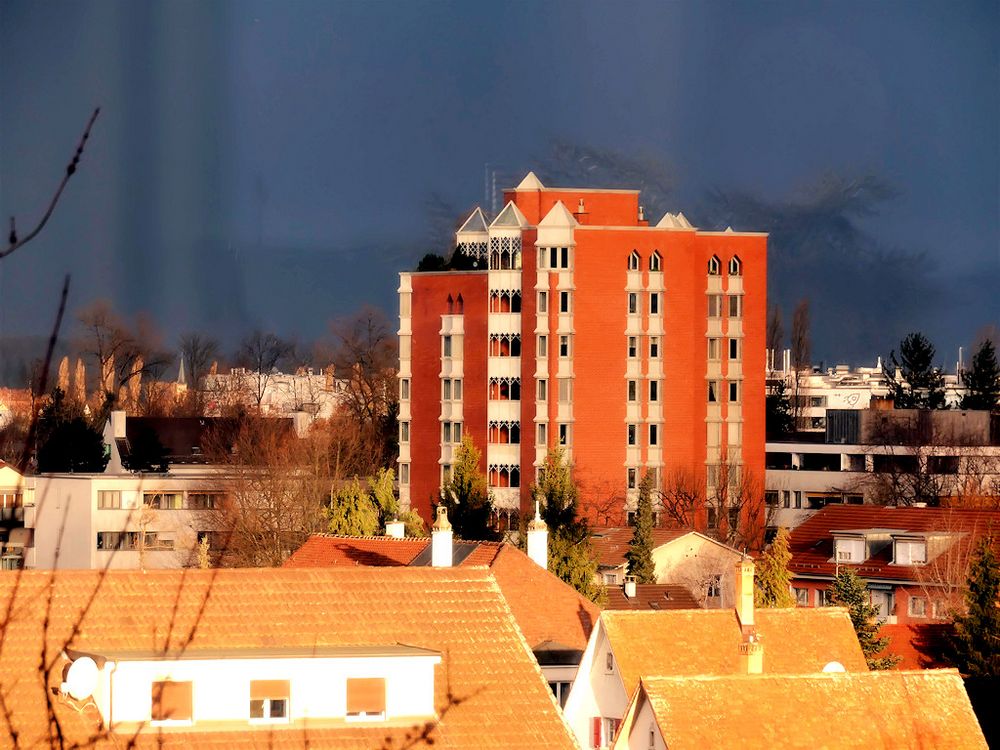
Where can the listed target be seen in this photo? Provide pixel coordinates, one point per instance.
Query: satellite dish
(81, 679)
(834, 666)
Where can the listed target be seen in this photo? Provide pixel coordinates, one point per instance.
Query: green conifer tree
(773, 580)
(467, 497)
(983, 379)
(975, 647)
(640, 550)
(847, 590)
(352, 511)
(920, 384)
(571, 556)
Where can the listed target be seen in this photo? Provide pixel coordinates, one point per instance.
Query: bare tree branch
(13, 240)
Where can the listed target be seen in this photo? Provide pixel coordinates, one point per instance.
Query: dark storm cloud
(276, 164)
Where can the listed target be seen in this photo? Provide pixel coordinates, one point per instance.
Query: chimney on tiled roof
(751, 648)
(630, 587)
(441, 536)
(395, 528)
(538, 540)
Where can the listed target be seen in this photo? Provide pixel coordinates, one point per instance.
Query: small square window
(543, 302)
(633, 347)
(632, 390)
(633, 303)
(109, 499)
(269, 700)
(801, 597)
(365, 698)
(654, 347)
(171, 701)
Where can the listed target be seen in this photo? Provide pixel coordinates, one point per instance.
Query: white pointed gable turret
(559, 216)
(530, 182)
(672, 221)
(510, 218)
(475, 224)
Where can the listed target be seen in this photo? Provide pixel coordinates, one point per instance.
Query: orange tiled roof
(651, 596)
(868, 711)
(459, 612)
(546, 608)
(611, 543)
(811, 543)
(687, 642)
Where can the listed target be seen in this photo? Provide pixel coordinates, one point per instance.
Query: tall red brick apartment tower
(635, 347)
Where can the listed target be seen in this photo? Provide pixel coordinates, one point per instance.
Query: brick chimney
(441, 552)
(751, 649)
(395, 528)
(538, 540)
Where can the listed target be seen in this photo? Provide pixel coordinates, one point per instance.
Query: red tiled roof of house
(919, 646)
(706, 642)
(611, 543)
(327, 550)
(546, 608)
(459, 612)
(811, 543)
(866, 711)
(651, 596)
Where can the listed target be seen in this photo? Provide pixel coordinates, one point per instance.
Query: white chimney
(630, 587)
(441, 553)
(538, 540)
(118, 419)
(395, 528)
(744, 591)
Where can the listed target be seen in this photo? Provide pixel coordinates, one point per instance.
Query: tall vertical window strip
(564, 302)
(654, 303)
(446, 346)
(633, 347)
(713, 348)
(654, 347)
(543, 346)
(633, 303)
(734, 348)
(715, 305)
(404, 388)
(632, 390)
(735, 306)
(543, 302)
(404, 432)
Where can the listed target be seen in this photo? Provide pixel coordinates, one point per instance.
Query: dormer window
(849, 549)
(366, 699)
(171, 701)
(269, 700)
(909, 551)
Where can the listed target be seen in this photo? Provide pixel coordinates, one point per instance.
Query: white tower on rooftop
(538, 540)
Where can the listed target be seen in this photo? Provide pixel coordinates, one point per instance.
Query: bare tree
(682, 496)
(365, 358)
(126, 357)
(197, 353)
(275, 488)
(260, 353)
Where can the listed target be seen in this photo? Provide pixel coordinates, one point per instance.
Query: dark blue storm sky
(273, 164)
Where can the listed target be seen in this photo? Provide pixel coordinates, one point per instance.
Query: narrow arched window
(735, 266)
(461, 305)
(654, 261)
(451, 305)
(714, 267)
(633, 261)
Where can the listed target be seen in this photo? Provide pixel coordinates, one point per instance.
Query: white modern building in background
(317, 394)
